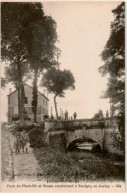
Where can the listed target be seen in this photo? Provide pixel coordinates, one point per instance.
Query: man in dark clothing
(66, 115)
(75, 115)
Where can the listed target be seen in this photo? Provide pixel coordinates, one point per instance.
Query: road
(17, 167)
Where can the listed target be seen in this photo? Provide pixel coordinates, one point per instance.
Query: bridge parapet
(90, 123)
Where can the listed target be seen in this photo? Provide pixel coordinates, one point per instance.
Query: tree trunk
(35, 96)
(55, 104)
(21, 93)
(22, 102)
(18, 103)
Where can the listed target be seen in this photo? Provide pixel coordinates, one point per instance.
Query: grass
(58, 166)
(76, 166)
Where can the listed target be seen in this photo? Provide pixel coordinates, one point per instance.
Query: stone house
(42, 108)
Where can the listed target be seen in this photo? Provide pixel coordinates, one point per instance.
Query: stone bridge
(96, 135)
(69, 132)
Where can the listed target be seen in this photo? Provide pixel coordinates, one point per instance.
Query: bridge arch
(73, 144)
(96, 135)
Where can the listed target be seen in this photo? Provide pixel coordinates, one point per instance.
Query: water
(86, 145)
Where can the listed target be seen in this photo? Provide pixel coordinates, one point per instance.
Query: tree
(113, 56)
(40, 39)
(3, 82)
(57, 81)
(99, 114)
(13, 50)
(28, 41)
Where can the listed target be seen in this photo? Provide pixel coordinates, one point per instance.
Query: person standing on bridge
(75, 115)
(107, 114)
(66, 115)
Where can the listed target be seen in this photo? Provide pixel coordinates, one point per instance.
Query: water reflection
(86, 145)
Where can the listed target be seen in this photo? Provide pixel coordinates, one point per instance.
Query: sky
(83, 29)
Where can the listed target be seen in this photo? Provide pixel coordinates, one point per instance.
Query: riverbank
(77, 166)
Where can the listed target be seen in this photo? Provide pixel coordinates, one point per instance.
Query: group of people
(65, 116)
(21, 142)
(74, 115)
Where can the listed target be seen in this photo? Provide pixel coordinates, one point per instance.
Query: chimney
(10, 90)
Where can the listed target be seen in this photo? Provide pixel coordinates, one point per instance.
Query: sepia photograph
(63, 96)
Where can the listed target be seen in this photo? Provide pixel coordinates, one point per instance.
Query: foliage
(40, 36)
(36, 137)
(57, 81)
(13, 50)
(12, 74)
(113, 56)
(99, 114)
(76, 166)
(3, 82)
(36, 134)
(19, 128)
(28, 43)
(40, 39)
(119, 139)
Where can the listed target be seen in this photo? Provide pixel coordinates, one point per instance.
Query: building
(42, 108)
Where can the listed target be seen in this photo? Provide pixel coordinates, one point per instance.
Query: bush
(36, 134)
(36, 137)
(19, 128)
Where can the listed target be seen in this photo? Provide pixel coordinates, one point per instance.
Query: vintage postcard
(63, 96)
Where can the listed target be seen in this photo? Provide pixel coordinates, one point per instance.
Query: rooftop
(30, 87)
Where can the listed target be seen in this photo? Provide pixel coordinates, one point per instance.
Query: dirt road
(17, 167)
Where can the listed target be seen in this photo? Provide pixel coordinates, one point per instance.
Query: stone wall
(102, 134)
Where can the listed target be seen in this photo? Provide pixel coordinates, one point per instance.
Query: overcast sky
(83, 29)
